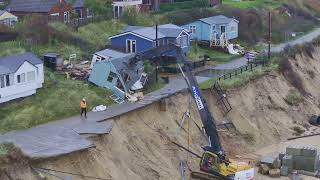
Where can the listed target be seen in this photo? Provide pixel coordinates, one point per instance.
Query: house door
(131, 46)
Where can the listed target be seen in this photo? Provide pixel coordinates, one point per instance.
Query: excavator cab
(218, 166)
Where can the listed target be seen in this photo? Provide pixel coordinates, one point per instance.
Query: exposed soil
(138, 146)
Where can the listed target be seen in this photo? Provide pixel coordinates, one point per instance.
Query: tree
(100, 7)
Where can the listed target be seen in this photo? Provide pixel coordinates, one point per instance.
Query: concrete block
(284, 171)
(309, 152)
(274, 173)
(294, 150)
(305, 163)
(287, 160)
(268, 160)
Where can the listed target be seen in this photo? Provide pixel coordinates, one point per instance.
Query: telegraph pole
(269, 38)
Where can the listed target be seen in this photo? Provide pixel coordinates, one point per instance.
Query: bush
(294, 97)
(132, 17)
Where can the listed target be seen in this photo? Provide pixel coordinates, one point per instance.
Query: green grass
(154, 86)
(11, 47)
(167, 7)
(197, 53)
(241, 79)
(59, 98)
(247, 4)
(294, 97)
(99, 33)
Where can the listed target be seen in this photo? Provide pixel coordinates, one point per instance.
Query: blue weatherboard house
(137, 39)
(118, 75)
(216, 29)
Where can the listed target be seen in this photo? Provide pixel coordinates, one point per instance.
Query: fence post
(250, 66)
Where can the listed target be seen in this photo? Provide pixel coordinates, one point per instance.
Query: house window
(111, 76)
(192, 29)
(131, 46)
(183, 41)
(223, 29)
(233, 28)
(21, 78)
(31, 76)
(89, 13)
(66, 16)
(8, 80)
(213, 28)
(2, 81)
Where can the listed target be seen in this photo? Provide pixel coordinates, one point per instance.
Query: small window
(213, 27)
(192, 29)
(31, 76)
(233, 29)
(19, 78)
(111, 76)
(7, 80)
(2, 81)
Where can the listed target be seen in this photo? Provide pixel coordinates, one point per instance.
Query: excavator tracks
(203, 176)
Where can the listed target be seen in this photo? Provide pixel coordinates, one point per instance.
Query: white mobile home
(20, 76)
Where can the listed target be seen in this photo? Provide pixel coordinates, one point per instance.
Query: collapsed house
(121, 75)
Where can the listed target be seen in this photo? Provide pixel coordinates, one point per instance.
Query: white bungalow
(20, 76)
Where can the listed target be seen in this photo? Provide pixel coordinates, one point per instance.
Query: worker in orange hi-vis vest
(83, 107)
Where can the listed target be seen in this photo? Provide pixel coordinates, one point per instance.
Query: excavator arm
(205, 115)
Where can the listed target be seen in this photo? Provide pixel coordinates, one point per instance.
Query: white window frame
(193, 29)
(66, 16)
(233, 28)
(22, 78)
(184, 41)
(131, 41)
(225, 29)
(28, 76)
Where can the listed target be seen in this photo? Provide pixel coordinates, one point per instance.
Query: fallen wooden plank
(298, 137)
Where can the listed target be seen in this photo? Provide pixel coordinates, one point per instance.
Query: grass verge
(59, 98)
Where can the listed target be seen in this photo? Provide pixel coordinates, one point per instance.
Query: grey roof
(31, 5)
(132, 28)
(10, 64)
(52, 55)
(166, 30)
(78, 4)
(220, 19)
(111, 53)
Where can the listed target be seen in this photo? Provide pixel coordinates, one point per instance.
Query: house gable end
(132, 33)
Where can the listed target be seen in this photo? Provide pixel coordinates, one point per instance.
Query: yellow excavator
(214, 163)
